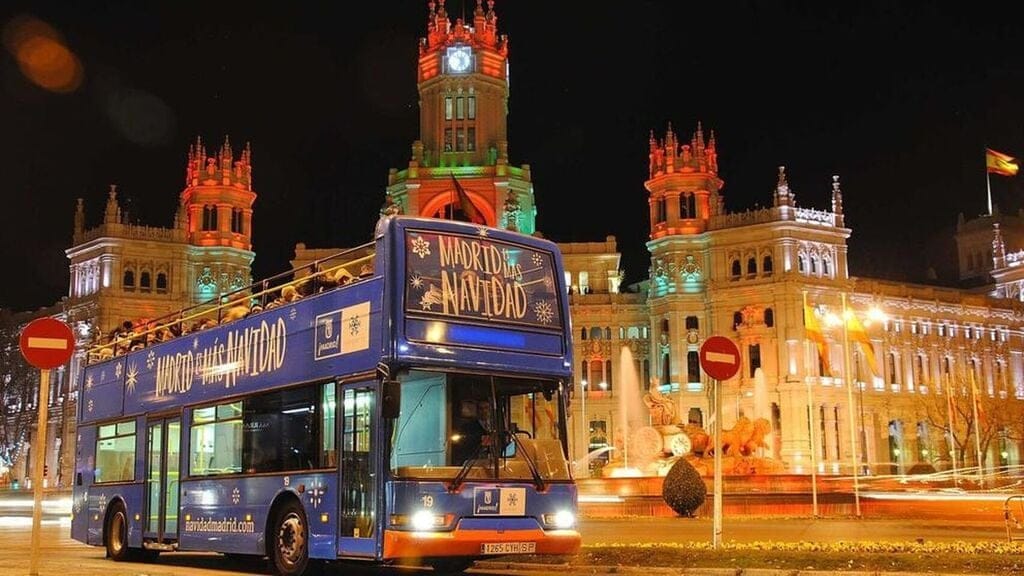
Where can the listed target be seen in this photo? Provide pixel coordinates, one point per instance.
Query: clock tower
(462, 76)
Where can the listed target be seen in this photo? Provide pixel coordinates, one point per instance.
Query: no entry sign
(47, 343)
(719, 357)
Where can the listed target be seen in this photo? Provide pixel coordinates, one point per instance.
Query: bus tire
(289, 546)
(115, 534)
(450, 565)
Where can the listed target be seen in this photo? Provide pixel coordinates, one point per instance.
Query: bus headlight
(424, 520)
(561, 519)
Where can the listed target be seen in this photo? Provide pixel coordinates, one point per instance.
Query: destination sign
(478, 278)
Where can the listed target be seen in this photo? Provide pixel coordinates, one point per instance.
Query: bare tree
(18, 382)
(952, 409)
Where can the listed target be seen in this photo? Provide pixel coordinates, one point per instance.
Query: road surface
(62, 556)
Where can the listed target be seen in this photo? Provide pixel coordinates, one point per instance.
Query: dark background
(899, 99)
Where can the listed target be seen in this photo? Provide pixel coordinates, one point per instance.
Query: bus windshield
(460, 426)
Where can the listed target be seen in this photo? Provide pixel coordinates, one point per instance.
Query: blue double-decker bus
(402, 401)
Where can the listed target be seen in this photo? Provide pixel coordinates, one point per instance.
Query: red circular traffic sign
(720, 357)
(47, 343)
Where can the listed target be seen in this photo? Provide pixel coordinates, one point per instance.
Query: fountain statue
(648, 445)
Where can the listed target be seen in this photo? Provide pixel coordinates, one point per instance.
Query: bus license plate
(508, 547)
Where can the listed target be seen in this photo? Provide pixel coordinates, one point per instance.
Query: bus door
(359, 475)
(163, 459)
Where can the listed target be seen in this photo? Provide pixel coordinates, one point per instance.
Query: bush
(683, 490)
(921, 468)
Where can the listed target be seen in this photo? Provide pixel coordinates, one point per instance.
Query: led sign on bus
(478, 278)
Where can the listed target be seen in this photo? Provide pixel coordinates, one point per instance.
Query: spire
(112, 215)
(79, 216)
(783, 195)
(837, 196)
(998, 247)
(700, 137)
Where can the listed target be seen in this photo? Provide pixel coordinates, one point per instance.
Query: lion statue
(744, 437)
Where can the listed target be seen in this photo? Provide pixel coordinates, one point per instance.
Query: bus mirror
(391, 398)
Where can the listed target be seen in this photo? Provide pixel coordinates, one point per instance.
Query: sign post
(720, 359)
(45, 343)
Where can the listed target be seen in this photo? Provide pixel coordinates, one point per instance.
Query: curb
(684, 571)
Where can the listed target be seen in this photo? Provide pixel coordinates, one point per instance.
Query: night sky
(898, 99)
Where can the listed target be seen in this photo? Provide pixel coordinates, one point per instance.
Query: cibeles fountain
(651, 437)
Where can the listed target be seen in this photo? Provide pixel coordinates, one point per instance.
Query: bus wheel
(451, 565)
(116, 533)
(290, 550)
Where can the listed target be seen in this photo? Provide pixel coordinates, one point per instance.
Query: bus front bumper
(462, 542)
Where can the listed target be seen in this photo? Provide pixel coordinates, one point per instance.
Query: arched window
(687, 206)
(596, 333)
(736, 270)
(236, 220)
(826, 267)
(607, 333)
(766, 265)
(892, 368)
(801, 265)
(608, 373)
(161, 282)
(692, 366)
(210, 217)
(144, 280)
(664, 325)
(129, 279)
(666, 368)
(584, 374)
(692, 323)
(814, 264)
(583, 333)
(661, 210)
(751, 266)
(737, 319)
(769, 317)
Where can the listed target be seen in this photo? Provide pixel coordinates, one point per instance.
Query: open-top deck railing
(323, 274)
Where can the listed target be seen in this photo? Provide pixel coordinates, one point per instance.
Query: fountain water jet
(631, 409)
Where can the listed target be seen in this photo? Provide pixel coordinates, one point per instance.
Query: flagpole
(849, 400)
(949, 420)
(977, 427)
(810, 416)
(988, 184)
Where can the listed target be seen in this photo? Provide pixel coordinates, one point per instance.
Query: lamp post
(586, 426)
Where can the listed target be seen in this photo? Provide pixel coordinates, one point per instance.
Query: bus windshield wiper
(464, 471)
(537, 478)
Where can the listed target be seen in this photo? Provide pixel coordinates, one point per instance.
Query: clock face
(458, 59)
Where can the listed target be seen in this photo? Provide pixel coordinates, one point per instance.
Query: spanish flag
(855, 330)
(813, 330)
(469, 210)
(999, 163)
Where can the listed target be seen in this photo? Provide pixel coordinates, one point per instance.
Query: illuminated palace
(124, 271)
(743, 275)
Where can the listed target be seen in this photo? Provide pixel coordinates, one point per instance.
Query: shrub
(683, 490)
(921, 468)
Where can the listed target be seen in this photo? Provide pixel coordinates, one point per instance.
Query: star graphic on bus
(293, 313)
(416, 281)
(430, 297)
(512, 499)
(150, 360)
(542, 310)
(131, 378)
(316, 495)
(482, 232)
(354, 324)
(538, 260)
(236, 496)
(102, 502)
(88, 381)
(90, 405)
(420, 247)
(195, 343)
(117, 370)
